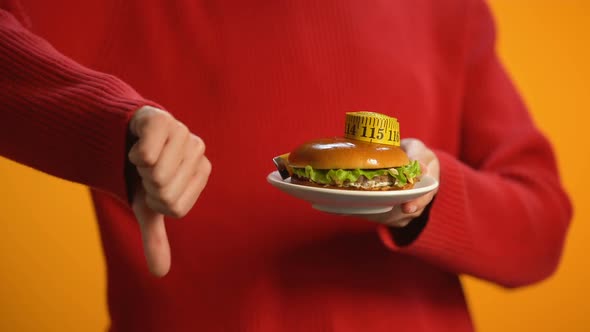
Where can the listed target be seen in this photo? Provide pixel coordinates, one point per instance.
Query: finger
(154, 134)
(154, 203)
(399, 223)
(162, 199)
(185, 202)
(172, 191)
(145, 116)
(154, 238)
(170, 157)
(433, 166)
(413, 147)
(382, 218)
(180, 181)
(393, 218)
(415, 206)
(196, 185)
(194, 149)
(423, 168)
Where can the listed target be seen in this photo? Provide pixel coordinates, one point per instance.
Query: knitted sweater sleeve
(58, 116)
(501, 213)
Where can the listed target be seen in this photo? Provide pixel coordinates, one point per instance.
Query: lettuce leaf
(402, 175)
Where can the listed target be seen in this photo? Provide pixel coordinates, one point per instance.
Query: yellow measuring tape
(372, 127)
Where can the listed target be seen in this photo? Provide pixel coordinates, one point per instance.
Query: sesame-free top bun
(338, 152)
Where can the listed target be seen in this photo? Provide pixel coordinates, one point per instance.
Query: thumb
(153, 234)
(423, 168)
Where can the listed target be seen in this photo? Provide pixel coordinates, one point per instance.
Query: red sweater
(254, 79)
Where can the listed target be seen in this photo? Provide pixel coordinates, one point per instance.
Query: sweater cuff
(443, 237)
(119, 177)
(60, 117)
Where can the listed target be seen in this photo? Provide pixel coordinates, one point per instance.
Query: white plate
(352, 201)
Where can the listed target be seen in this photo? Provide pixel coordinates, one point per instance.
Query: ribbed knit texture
(54, 110)
(254, 79)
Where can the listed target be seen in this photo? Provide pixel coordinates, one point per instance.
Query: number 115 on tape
(372, 127)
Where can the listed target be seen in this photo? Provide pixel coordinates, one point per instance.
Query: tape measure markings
(372, 127)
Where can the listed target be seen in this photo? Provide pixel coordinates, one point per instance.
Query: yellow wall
(546, 46)
(51, 268)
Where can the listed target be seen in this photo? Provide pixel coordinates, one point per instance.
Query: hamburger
(352, 164)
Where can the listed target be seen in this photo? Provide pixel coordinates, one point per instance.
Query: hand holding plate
(402, 214)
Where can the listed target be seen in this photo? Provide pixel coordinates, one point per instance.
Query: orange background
(52, 276)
